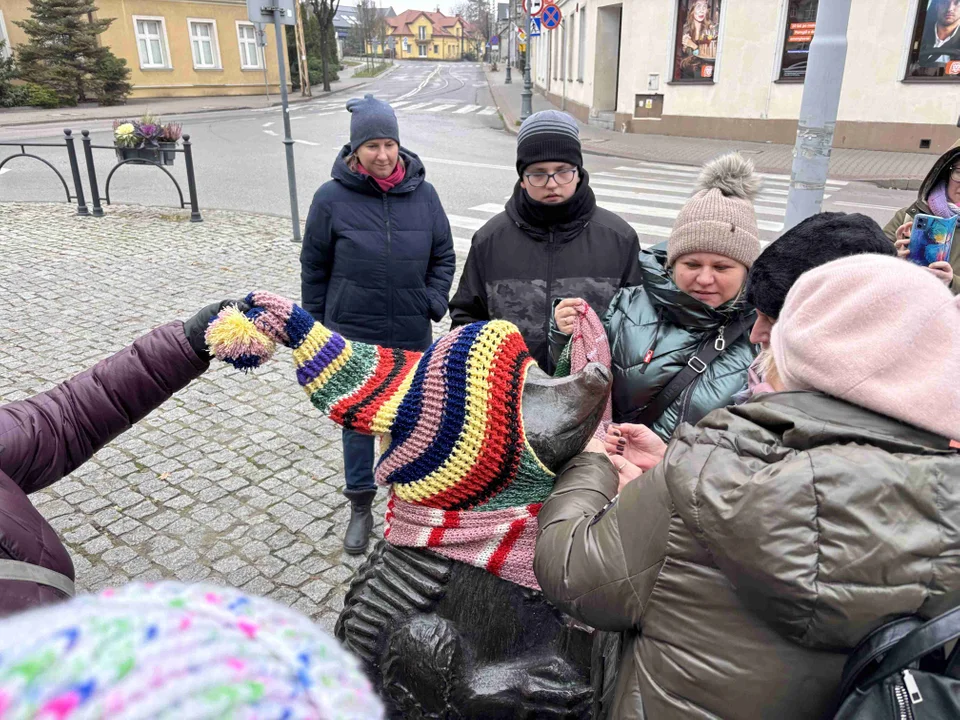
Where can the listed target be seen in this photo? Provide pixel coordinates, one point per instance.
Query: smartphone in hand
(931, 239)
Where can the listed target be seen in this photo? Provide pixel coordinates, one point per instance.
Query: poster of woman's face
(696, 41)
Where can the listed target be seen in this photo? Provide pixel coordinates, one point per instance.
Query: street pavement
(237, 479)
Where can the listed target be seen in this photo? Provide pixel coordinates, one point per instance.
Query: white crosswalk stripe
(440, 108)
(649, 196)
(488, 111)
(466, 109)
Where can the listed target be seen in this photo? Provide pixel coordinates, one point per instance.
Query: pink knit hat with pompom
(878, 332)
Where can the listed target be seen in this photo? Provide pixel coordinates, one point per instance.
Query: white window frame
(243, 41)
(421, 50)
(422, 32)
(167, 63)
(582, 41)
(214, 43)
(5, 36)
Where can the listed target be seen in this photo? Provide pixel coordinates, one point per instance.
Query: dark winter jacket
(377, 267)
(516, 271)
(743, 568)
(939, 171)
(48, 436)
(656, 315)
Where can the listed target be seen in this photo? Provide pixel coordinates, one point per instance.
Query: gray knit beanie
(548, 136)
(371, 119)
(720, 218)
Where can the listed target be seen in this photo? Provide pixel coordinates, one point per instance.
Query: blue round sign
(550, 17)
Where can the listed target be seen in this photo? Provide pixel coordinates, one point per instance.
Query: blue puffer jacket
(377, 267)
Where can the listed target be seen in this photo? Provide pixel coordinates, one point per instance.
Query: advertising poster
(698, 23)
(801, 22)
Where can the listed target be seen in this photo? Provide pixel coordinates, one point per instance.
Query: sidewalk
(886, 169)
(167, 107)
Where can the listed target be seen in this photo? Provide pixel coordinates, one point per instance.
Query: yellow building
(177, 48)
(425, 35)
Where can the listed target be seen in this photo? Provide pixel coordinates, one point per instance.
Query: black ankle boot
(357, 536)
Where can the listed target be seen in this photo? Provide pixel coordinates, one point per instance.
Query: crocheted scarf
(588, 343)
(939, 203)
(457, 453)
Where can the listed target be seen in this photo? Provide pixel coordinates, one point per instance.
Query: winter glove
(196, 327)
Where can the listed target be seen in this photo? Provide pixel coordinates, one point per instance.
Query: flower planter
(145, 153)
(168, 151)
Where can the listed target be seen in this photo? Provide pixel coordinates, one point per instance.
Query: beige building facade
(177, 48)
(734, 69)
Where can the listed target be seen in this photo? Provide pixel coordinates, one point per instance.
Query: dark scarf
(544, 215)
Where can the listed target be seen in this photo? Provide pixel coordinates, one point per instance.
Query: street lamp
(526, 95)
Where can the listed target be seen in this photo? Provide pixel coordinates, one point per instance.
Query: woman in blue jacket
(376, 266)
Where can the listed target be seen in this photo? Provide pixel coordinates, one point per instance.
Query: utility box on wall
(648, 106)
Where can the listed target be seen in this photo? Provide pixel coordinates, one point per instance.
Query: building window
(695, 44)
(249, 52)
(203, 41)
(406, 45)
(5, 51)
(151, 35)
(568, 36)
(801, 21)
(423, 50)
(581, 56)
(422, 32)
(935, 43)
(436, 49)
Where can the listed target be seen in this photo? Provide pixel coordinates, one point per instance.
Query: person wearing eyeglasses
(550, 242)
(939, 195)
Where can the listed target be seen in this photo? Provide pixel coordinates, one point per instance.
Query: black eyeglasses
(563, 177)
(955, 173)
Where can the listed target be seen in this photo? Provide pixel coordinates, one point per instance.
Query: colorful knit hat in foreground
(456, 449)
(176, 651)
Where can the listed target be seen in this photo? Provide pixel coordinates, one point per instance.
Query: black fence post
(91, 174)
(75, 169)
(191, 180)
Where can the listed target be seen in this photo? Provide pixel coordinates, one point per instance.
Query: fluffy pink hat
(877, 332)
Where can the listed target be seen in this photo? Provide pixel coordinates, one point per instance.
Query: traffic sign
(534, 7)
(521, 34)
(535, 28)
(495, 40)
(261, 11)
(551, 17)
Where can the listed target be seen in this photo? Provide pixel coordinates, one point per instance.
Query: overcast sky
(446, 6)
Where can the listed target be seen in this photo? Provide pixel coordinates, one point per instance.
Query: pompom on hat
(458, 461)
(720, 217)
(878, 332)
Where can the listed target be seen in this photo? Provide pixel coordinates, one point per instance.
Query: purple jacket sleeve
(48, 436)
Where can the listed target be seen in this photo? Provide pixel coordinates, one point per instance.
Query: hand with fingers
(637, 444)
(566, 312)
(626, 470)
(943, 271)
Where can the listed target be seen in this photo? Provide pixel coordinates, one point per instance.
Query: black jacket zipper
(549, 298)
(386, 220)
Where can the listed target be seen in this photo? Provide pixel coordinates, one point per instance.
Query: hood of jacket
(828, 519)
(414, 175)
(677, 306)
(937, 172)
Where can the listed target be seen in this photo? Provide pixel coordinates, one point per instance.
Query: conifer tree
(63, 52)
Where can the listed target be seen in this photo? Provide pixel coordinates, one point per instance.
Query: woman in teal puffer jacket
(690, 297)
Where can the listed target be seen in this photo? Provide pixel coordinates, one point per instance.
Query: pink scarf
(589, 339)
(387, 184)
(498, 541)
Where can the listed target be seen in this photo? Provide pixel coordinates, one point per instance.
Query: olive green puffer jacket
(658, 316)
(744, 567)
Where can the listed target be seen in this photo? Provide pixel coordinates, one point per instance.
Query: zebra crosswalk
(649, 196)
(444, 107)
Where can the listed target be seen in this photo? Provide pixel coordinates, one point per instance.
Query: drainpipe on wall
(563, 64)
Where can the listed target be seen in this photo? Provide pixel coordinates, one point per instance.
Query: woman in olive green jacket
(690, 298)
(776, 534)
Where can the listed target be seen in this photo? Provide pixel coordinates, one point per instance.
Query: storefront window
(695, 52)
(801, 21)
(935, 44)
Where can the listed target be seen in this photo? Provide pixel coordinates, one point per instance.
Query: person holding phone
(939, 195)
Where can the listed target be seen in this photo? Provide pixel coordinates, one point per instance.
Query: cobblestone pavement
(234, 480)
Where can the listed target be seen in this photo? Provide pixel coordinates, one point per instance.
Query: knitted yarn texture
(452, 414)
(588, 343)
(173, 651)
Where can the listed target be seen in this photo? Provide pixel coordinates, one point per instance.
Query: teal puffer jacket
(658, 316)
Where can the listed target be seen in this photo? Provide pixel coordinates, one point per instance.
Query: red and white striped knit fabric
(498, 541)
(590, 344)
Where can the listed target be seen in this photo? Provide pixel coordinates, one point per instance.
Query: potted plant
(140, 139)
(149, 129)
(169, 137)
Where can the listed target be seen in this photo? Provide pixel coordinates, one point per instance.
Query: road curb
(507, 117)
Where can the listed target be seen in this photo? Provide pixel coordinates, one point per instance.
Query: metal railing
(96, 209)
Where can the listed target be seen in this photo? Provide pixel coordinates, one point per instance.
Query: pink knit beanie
(878, 332)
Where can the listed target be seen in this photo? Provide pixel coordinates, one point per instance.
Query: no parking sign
(551, 16)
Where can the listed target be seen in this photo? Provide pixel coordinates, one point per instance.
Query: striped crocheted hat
(452, 414)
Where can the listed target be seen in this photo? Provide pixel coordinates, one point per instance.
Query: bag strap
(695, 367)
(28, 572)
(872, 648)
(922, 641)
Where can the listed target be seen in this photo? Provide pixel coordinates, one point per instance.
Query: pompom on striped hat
(464, 480)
